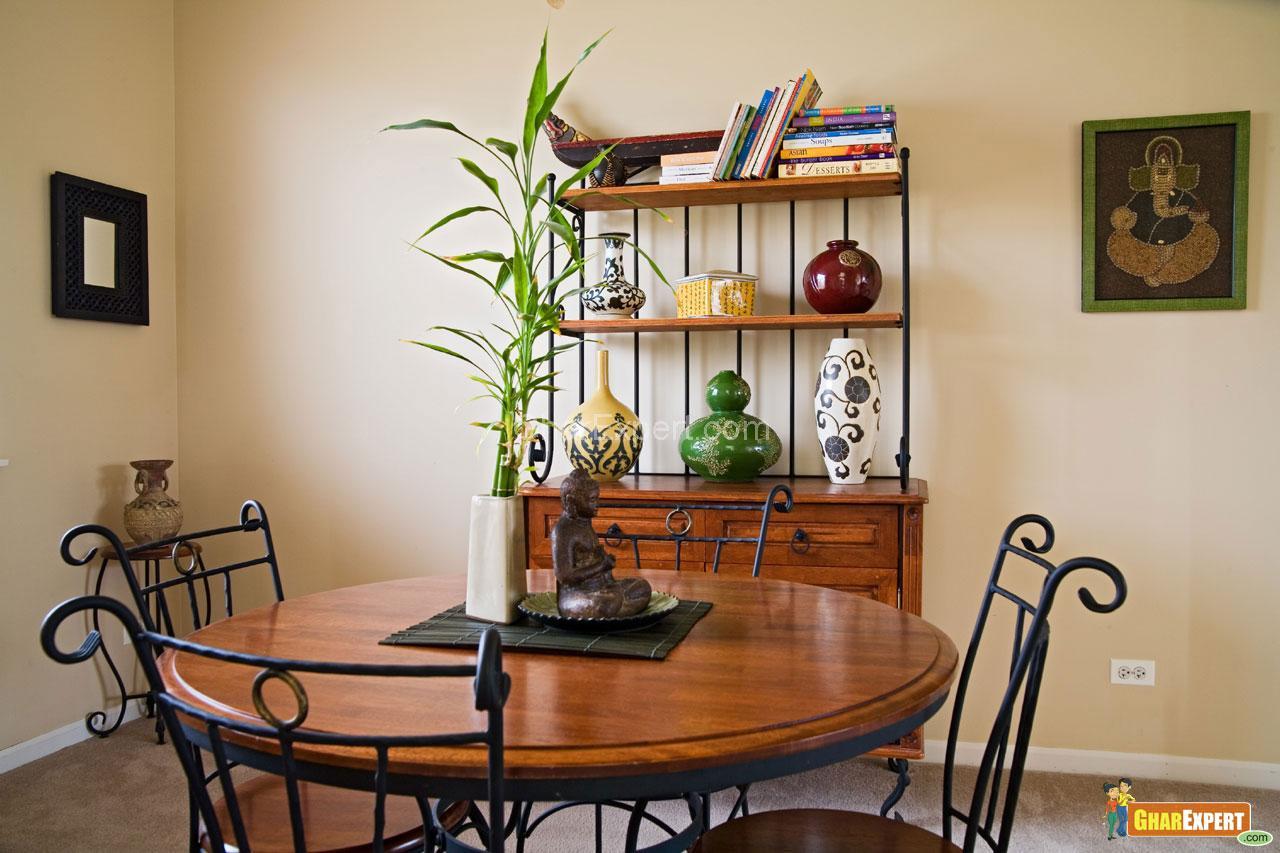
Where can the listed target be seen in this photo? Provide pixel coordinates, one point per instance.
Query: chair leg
(903, 769)
(741, 805)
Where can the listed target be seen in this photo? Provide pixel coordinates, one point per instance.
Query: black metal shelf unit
(542, 450)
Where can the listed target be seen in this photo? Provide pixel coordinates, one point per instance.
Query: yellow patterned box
(718, 293)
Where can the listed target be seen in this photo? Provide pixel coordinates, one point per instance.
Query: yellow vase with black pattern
(602, 436)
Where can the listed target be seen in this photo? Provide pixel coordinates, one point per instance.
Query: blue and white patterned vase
(614, 296)
(846, 405)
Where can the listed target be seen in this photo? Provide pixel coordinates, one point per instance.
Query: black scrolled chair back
(192, 573)
(1026, 671)
(223, 738)
(679, 525)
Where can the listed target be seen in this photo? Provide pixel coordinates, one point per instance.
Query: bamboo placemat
(452, 628)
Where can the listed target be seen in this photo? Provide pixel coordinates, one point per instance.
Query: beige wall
(1145, 437)
(87, 89)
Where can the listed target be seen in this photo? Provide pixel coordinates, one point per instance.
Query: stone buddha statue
(585, 585)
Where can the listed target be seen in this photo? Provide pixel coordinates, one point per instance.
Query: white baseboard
(1138, 765)
(51, 742)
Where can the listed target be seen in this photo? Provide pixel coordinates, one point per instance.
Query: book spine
(828, 130)
(848, 111)
(837, 121)
(749, 141)
(797, 94)
(735, 113)
(807, 140)
(689, 169)
(774, 95)
(837, 151)
(767, 130)
(701, 158)
(702, 178)
(853, 167)
(837, 158)
(726, 172)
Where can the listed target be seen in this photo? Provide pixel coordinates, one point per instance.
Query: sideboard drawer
(877, 584)
(812, 535)
(542, 515)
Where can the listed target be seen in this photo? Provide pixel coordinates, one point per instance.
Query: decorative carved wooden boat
(630, 155)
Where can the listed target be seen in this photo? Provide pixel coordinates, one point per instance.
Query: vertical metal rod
(635, 336)
(686, 334)
(845, 332)
(739, 341)
(791, 360)
(582, 282)
(904, 452)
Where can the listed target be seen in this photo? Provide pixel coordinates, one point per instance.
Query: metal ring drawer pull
(688, 521)
(798, 539)
(613, 536)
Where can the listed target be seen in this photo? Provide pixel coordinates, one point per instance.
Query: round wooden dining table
(776, 678)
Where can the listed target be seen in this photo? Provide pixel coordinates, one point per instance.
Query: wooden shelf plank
(727, 324)
(735, 192)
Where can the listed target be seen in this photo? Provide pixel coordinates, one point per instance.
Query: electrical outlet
(1137, 672)
(124, 632)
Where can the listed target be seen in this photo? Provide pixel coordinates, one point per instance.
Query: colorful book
(767, 130)
(806, 140)
(748, 142)
(735, 116)
(726, 172)
(688, 158)
(775, 95)
(702, 178)
(836, 151)
(849, 167)
(837, 121)
(728, 144)
(848, 111)
(804, 95)
(689, 169)
(835, 158)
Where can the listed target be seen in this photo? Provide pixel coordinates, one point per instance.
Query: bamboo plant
(501, 356)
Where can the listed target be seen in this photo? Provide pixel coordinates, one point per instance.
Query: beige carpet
(127, 794)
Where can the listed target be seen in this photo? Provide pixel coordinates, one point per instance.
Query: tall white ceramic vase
(846, 405)
(496, 559)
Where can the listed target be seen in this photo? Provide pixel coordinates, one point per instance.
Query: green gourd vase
(728, 445)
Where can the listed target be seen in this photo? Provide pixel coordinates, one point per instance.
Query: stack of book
(693, 167)
(840, 141)
(753, 136)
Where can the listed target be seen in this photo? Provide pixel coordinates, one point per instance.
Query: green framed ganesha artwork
(1166, 211)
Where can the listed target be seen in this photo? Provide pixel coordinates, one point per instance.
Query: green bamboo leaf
(479, 255)
(504, 275)
(446, 351)
(508, 148)
(562, 229)
(458, 267)
(487, 179)
(477, 340)
(577, 176)
(549, 102)
(458, 214)
(537, 95)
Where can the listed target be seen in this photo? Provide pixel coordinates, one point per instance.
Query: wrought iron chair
(287, 806)
(193, 576)
(820, 830)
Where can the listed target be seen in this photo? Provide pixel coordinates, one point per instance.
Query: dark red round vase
(842, 280)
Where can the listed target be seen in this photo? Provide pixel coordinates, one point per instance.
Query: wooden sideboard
(865, 539)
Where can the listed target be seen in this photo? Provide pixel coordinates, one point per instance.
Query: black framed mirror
(99, 241)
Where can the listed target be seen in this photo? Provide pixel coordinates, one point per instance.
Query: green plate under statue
(541, 607)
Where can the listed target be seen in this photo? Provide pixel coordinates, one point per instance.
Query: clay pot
(152, 514)
(602, 436)
(728, 445)
(842, 280)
